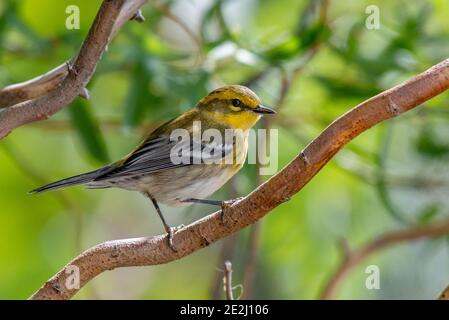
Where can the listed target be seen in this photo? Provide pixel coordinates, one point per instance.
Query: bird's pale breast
(192, 181)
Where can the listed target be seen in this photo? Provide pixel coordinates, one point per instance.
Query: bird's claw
(170, 233)
(71, 69)
(225, 205)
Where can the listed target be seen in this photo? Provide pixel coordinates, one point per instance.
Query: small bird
(154, 169)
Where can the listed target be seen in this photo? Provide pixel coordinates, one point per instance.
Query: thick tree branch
(33, 88)
(280, 188)
(353, 258)
(43, 96)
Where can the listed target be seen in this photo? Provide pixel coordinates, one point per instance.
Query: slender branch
(226, 253)
(353, 258)
(33, 88)
(41, 97)
(286, 82)
(61, 125)
(165, 10)
(253, 243)
(228, 247)
(365, 173)
(227, 280)
(251, 262)
(278, 189)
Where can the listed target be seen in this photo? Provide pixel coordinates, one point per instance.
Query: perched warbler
(154, 169)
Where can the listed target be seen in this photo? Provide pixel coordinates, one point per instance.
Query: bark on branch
(41, 97)
(280, 188)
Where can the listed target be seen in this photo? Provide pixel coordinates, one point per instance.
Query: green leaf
(428, 145)
(428, 213)
(346, 88)
(214, 18)
(313, 35)
(284, 50)
(310, 31)
(138, 96)
(88, 130)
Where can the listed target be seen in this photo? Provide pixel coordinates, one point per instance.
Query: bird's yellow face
(233, 106)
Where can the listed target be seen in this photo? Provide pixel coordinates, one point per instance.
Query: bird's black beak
(263, 110)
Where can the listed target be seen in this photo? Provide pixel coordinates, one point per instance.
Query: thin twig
(228, 246)
(226, 253)
(227, 280)
(278, 189)
(164, 9)
(286, 82)
(251, 263)
(61, 125)
(365, 173)
(352, 258)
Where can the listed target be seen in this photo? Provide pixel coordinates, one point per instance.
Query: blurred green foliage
(393, 175)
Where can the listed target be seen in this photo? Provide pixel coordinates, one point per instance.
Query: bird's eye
(236, 102)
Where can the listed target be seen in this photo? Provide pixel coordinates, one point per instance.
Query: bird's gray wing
(162, 153)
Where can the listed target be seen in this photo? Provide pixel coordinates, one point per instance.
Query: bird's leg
(168, 229)
(224, 204)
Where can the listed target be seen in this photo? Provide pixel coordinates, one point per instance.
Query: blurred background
(311, 59)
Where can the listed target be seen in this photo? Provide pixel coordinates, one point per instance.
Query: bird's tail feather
(75, 180)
